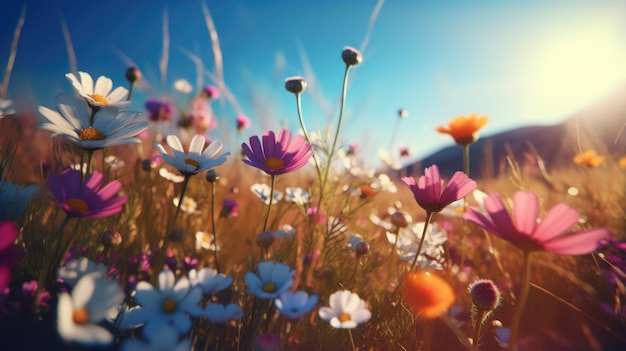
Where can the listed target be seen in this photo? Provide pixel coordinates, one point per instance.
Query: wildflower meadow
(146, 230)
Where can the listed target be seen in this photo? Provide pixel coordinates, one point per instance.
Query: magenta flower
(9, 251)
(277, 154)
(243, 122)
(91, 199)
(159, 110)
(428, 189)
(523, 231)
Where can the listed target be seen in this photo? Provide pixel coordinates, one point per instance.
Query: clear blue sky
(530, 62)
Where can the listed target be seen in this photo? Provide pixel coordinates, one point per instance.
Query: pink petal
(478, 218)
(578, 243)
(556, 222)
(525, 212)
(458, 187)
(500, 217)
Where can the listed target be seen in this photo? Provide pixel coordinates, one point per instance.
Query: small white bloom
(271, 281)
(209, 281)
(285, 231)
(76, 269)
(294, 305)
(297, 195)
(6, 108)
(384, 183)
(218, 313)
(347, 310)
(334, 225)
(99, 95)
(457, 208)
(198, 158)
(205, 241)
(188, 205)
(88, 304)
(262, 191)
(407, 244)
(114, 162)
(389, 160)
(172, 177)
(183, 86)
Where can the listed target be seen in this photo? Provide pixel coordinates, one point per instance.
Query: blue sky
(520, 63)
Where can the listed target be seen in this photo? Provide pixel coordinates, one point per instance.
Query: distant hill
(597, 127)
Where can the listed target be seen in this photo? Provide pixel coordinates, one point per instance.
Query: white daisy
(110, 127)
(297, 195)
(346, 311)
(76, 269)
(432, 250)
(209, 280)
(262, 191)
(205, 241)
(171, 304)
(88, 304)
(114, 162)
(384, 183)
(218, 313)
(197, 159)
(172, 177)
(295, 305)
(6, 108)
(271, 281)
(188, 204)
(99, 95)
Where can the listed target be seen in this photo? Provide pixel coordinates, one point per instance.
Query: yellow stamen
(81, 316)
(99, 98)
(90, 133)
(269, 287)
(169, 306)
(344, 317)
(191, 161)
(77, 205)
(274, 163)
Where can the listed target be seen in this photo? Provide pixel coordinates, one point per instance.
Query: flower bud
(148, 165)
(176, 235)
(133, 74)
(210, 92)
(485, 295)
(362, 248)
(295, 85)
(402, 113)
(351, 56)
(265, 239)
(212, 176)
(111, 238)
(401, 219)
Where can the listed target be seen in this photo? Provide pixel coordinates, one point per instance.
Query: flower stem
(351, 340)
(217, 265)
(478, 324)
(308, 139)
(130, 90)
(519, 308)
(466, 159)
(429, 216)
(269, 206)
(50, 262)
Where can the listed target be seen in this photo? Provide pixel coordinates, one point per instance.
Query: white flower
(76, 269)
(218, 313)
(15, 199)
(170, 304)
(197, 159)
(204, 241)
(285, 231)
(354, 240)
(114, 162)
(457, 208)
(110, 127)
(334, 225)
(294, 305)
(272, 280)
(407, 244)
(262, 191)
(389, 160)
(346, 311)
(162, 339)
(172, 177)
(88, 304)
(99, 95)
(384, 183)
(297, 195)
(183, 86)
(5, 108)
(209, 281)
(188, 205)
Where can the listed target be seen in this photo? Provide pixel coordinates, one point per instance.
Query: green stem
(351, 339)
(466, 159)
(217, 265)
(429, 216)
(130, 90)
(478, 324)
(48, 264)
(308, 140)
(269, 206)
(521, 302)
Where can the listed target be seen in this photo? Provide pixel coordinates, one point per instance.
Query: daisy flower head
(277, 154)
(297, 195)
(88, 304)
(427, 294)
(294, 305)
(464, 129)
(428, 192)
(197, 159)
(188, 205)
(209, 280)
(271, 281)
(170, 304)
(91, 199)
(263, 191)
(347, 310)
(204, 241)
(101, 94)
(108, 127)
(218, 313)
(522, 229)
(76, 269)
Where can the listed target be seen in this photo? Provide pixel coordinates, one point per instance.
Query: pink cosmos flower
(523, 231)
(428, 189)
(277, 154)
(91, 199)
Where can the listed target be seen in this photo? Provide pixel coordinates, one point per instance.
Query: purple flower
(159, 110)
(211, 92)
(428, 192)
(91, 199)
(277, 154)
(229, 208)
(243, 122)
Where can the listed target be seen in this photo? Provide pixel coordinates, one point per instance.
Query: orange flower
(464, 129)
(622, 162)
(589, 158)
(428, 294)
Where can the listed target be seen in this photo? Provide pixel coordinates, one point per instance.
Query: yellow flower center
(169, 306)
(81, 316)
(274, 163)
(269, 287)
(191, 161)
(90, 134)
(77, 205)
(344, 317)
(99, 98)
(460, 210)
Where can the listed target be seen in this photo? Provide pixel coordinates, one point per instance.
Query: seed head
(485, 295)
(111, 238)
(295, 85)
(351, 56)
(133, 74)
(401, 219)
